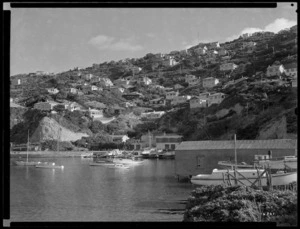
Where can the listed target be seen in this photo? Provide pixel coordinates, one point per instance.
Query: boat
(86, 155)
(49, 166)
(286, 162)
(231, 164)
(167, 155)
(216, 178)
(131, 161)
(27, 163)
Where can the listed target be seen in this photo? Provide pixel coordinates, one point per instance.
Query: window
(167, 146)
(172, 146)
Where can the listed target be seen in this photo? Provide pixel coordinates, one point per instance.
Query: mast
(27, 144)
(235, 157)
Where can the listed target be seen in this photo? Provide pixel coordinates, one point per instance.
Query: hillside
(256, 106)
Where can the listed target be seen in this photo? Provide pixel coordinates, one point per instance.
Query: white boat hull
(27, 163)
(50, 166)
(217, 178)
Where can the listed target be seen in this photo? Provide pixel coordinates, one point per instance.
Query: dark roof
(240, 144)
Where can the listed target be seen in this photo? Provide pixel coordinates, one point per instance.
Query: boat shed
(195, 157)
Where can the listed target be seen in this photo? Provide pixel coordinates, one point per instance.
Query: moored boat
(49, 166)
(27, 163)
(216, 178)
(231, 164)
(167, 155)
(118, 166)
(286, 162)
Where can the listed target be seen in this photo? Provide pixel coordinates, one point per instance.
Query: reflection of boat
(118, 166)
(286, 162)
(49, 166)
(231, 164)
(216, 178)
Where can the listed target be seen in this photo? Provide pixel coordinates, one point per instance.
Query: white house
(291, 69)
(246, 35)
(228, 66)
(196, 102)
(210, 82)
(275, 70)
(171, 94)
(214, 45)
(180, 99)
(52, 90)
(95, 114)
(119, 138)
(200, 50)
(144, 80)
(73, 90)
(106, 81)
(94, 88)
(215, 98)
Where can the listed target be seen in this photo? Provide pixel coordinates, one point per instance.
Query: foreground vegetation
(241, 204)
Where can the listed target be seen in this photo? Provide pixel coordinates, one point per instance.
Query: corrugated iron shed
(240, 144)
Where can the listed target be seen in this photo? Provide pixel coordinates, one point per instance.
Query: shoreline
(38, 154)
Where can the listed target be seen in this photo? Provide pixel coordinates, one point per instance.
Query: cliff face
(49, 129)
(276, 129)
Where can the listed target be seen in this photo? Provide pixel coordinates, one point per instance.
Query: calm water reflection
(81, 192)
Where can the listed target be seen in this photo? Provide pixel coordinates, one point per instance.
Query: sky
(59, 39)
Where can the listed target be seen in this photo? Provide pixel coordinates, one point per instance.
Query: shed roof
(240, 144)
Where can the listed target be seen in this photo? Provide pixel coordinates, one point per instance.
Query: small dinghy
(49, 166)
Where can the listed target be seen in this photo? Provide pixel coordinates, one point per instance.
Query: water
(81, 192)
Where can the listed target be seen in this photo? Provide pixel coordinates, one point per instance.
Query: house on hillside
(120, 82)
(95, 88)
(246, 35)
(180, 99)
(157, 102)
(168, 141)
(275, 70)
(291, 69)
(144, 80)
(196, 102)
(73, 90)
(215, 98)
(210, 82)
(200, 50)
(106, 81)
(52, 90)
(119, 138)
(204, 95)
(117, 89)
(133, 95)
(178, 86)
(222, 52)
(171, 94)
(201, 157)
(88, 76)
(213, 45)
(95, 113)
(193, 82)
(249, 44)
(228, 66)
(170, 62)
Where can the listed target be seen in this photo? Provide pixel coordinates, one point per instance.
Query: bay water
(80, 192)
